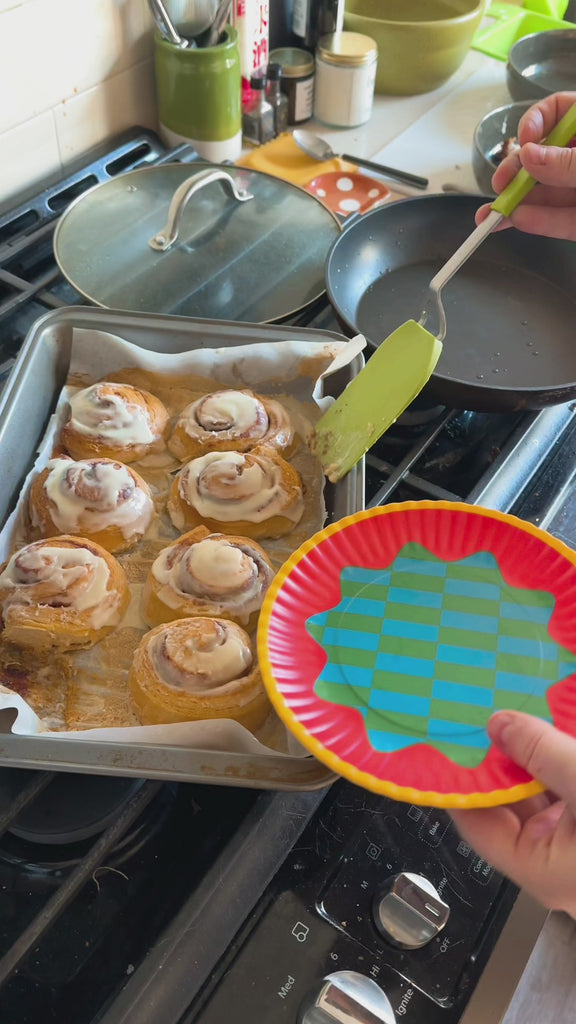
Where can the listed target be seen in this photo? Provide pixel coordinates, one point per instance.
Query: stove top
(136, 900)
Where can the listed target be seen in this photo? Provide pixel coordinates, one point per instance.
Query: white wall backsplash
(72, 73)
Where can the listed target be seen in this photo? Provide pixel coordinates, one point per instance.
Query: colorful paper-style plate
(346, 193)
(387, 640)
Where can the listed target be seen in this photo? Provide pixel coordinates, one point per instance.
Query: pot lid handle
(168, 235)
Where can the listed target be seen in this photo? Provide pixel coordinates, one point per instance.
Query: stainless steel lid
(246, 246)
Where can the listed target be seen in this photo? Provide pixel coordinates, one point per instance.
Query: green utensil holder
(199, 96)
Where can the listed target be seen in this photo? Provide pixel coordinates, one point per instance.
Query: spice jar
(258, 115)
(345, 75)
(297, 81)
(276, 98)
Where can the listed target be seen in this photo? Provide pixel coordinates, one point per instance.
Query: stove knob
(347, 997)
(410, 913)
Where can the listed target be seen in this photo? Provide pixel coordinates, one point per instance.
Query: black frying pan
(511, 309)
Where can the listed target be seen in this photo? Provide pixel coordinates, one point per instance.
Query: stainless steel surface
(191, 17)
(168, 982)
(411, 913)
(501, 976)
(212, 35)
(546, 992)
(25, 405)
(347, 997)
(434, 310)
(165, 26)
(312, 145)
(168, 235)
(256, 262)
(316, 147)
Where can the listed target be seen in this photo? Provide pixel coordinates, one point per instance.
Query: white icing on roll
(59, 577)
(203, 661)
(98, 494)
(230, 486)
(228, 575)
(232, 412)
(99, 411)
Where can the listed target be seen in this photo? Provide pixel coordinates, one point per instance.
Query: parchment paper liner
(295, 372)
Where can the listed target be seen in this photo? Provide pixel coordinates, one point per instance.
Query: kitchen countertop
(431, 134)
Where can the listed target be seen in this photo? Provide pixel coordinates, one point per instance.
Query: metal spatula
(403, 363)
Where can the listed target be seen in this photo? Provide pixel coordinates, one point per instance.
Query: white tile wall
(72, 73)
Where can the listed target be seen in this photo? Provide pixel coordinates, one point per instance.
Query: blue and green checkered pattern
(426, 650)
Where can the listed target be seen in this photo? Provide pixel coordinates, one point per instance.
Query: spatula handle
(523, 183)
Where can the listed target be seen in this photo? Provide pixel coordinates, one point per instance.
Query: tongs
(502, 207)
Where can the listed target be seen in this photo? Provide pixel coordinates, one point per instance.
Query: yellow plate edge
(407, 794)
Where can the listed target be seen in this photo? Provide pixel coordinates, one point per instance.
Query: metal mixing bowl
(489, 135)
(541, 64)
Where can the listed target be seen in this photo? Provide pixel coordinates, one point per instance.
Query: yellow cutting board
(284, 159)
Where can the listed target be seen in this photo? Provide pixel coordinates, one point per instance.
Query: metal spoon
(165, 25)
(211, 37)
(319, 149)
(191, 17)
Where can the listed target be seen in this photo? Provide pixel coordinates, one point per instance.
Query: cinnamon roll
(114, 421)
(194, 669)
(232, 421)
(205, 573)
(256, 494)
(99, 499)
(61, 594)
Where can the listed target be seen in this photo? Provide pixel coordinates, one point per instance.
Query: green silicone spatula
(403, 363)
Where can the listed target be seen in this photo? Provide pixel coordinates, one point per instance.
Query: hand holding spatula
(405, 360)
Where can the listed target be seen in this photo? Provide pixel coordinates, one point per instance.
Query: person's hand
(532, 842)
(550, 209)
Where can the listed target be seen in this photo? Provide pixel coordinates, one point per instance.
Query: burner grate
(79, 916)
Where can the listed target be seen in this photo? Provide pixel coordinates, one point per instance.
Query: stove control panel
(378, 917)
(410, 913)
(347, 997)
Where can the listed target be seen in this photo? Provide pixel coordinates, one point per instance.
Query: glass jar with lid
(297, 81)
(345, 74)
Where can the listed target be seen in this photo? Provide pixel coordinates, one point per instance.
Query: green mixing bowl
(421, 43)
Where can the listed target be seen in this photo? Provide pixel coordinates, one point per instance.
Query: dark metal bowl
(541, 64)
(489, 135)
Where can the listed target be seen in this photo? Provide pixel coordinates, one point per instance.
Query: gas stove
(137, 900)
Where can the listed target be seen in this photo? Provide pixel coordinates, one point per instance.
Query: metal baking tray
(26, 404)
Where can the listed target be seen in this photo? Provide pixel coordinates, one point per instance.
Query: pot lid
(228, 243)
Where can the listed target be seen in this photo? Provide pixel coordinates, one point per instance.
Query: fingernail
(498, 726)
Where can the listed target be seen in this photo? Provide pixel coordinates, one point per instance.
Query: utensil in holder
(199, 96)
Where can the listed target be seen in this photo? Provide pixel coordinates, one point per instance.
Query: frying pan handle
(168, 235)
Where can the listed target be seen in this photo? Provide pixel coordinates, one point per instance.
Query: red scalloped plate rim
(523, 785)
